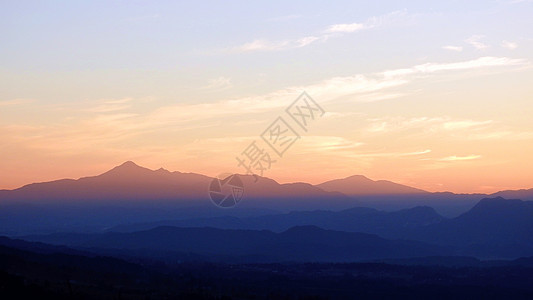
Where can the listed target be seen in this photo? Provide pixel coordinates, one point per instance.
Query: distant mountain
(359, 219)
(303, 243)
(524, 194)
(361, 185)
(131, 193)
(493, 228)
(130, 183)
(127, 182)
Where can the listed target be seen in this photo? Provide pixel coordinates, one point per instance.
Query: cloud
(429, 124)
(464, 124)
(365, 87)
(263, 45)
(220, 83)
(459, 158)
(482, 62)
(453, 48)
(335, 30)
(307, 41)
(111, 105)
(416, 153)
(475, 41)
(507, 134)
(446, 126)
(113, 124)
(327, 144)
(345, 28)
(509, 45)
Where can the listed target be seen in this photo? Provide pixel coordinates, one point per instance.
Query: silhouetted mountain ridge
(301, 243)
(361, 185)
(358, 219)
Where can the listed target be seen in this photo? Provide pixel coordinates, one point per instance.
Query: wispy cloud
(346, 28)
(219, 83)
(111, 121)
(465, 124)
(371, 86)
(428, 124)
(335, 30)
(482, 62)
(475, 41)
(328, 144)
(509, 45)
(459, 158)
(453, 48)
(111, 105)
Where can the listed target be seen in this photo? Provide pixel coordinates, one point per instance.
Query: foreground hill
(26, 274)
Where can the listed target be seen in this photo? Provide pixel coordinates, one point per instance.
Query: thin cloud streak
(459, 158)
(453, 48)
(335, 30)
(475, 41)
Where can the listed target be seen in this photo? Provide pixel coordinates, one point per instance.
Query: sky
(437, 96)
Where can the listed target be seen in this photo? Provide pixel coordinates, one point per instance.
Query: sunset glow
(434, 96)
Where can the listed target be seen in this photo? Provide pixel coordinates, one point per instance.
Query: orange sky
(408, 97)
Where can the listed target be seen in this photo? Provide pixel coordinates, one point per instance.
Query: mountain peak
(129, 164)
(497, 202)
(127, 168)
(358, 178)
(500, 208)
(362, 185)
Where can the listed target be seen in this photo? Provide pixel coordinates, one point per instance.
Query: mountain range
(495, 228)
(130, 194)
(300, 243)
(129, 182)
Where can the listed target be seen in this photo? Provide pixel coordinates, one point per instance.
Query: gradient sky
(438, 96)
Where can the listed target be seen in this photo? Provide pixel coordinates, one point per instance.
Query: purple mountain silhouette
(130, 183)
(361, 185)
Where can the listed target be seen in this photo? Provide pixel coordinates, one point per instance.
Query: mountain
(27, 274)
(301, 243)
(361, 185)
(359, 219)
(131, 193)
(129, 183)
(493, 228)
(523, 194)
